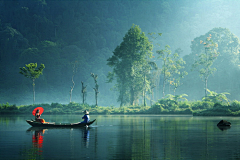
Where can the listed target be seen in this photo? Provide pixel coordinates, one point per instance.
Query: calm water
(121, 137)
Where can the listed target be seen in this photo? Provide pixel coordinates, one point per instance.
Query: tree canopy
(130, 63)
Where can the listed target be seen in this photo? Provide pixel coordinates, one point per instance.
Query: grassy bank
(163, 106)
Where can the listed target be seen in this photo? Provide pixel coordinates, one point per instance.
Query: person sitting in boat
(86, 117)
(37, 117)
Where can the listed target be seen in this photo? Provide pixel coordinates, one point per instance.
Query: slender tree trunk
(144, 103)
(71, 94)
(33, 91)
(71, 89)
(152, 97)
(121, 97)
(163, 87)
(144, 92)
(83, 98)
(96, 99)
(164, 79)
(206, 77)
(132, 96)
(83, 92)
(206, 87)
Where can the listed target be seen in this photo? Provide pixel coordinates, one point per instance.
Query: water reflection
(38, 136)
(223, 128)
(86, 135)
(123, 137)
(37, 140)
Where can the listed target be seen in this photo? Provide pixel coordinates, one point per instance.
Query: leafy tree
(148, 77)
(179, 73)
(31, 71)
(130, 63)
(226, 77)
(216, 97)
(207, 55)
(96, 87)
(171, 65)
(153, 80)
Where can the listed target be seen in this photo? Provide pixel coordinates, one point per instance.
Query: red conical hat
(38, 108)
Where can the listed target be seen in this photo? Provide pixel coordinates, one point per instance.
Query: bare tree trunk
(96, 86)
(83, 92)
(96, 93)
(71, 89)
(33, 91)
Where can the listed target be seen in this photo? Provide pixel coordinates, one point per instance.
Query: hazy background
(57, 33)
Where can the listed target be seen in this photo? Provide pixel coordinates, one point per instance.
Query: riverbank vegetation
(212, 105)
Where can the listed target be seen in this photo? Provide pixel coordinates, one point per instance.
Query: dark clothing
(86, 118)
(37, 116)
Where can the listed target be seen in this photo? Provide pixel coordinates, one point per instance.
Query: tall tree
(180, 73)
(207, 55)
(130, 62)
(171, 65)
(31, 71)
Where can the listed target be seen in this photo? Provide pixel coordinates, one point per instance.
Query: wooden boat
(63, 125)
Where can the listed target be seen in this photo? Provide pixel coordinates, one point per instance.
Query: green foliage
(235, 105)
(176, 98)
(171, 67)
(201, 105)
(130, 63)
(56, 105)
(31, 71)
(226, 63)
(184, 104)
(163, 106)
(216, 97)
(206, 55)
(8, 109)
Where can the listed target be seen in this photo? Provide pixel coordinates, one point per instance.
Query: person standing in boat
(86, 117)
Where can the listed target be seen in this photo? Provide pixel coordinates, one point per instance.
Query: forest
(125, 53)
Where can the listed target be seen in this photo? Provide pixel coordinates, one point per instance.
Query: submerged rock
(224, 123)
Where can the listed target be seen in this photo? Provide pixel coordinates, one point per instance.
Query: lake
(121, 137)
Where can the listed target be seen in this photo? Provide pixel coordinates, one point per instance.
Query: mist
(60, 33)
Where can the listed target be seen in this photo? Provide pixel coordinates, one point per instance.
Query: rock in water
(224, 123)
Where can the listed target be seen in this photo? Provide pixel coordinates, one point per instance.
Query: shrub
(202, 105)
(235, 105)
(56, 105)
(157, 108)
(184, 104)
